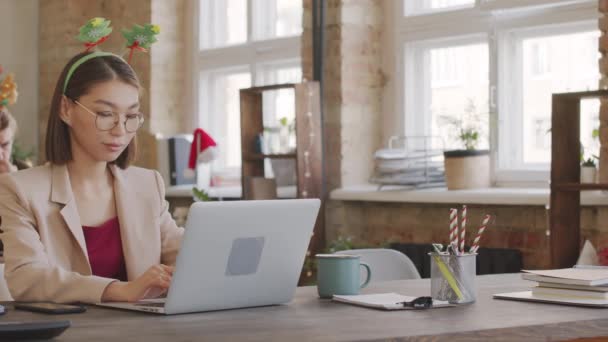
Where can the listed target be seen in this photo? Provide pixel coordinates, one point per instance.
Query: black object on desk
(419, 303)
(43, 330)
(51, 308)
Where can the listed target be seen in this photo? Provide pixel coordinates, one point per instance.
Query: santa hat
(202, 150)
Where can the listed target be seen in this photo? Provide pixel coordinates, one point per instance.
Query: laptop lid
(241, 254)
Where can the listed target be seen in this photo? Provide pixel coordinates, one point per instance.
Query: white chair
(386, 264)
(5, 295)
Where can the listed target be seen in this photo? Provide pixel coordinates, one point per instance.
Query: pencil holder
(453, 277)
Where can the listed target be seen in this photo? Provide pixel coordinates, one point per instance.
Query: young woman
(8, 128)
(87, 226)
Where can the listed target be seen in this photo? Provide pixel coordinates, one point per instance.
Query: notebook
(572, 276)
(528, 296)
(568, 293)
(602, 288)
(384, 301)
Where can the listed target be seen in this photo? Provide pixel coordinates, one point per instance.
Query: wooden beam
(565, 169)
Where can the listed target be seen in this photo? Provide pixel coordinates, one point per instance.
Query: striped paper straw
(484, 224)
(463, 225)
(454, 228)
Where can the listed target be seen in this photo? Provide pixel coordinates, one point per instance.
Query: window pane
(223, 111)
(421, 6)
(280, 103)
(436, 4)
(289, 18)
(554, 64)
(278, 18)
(459, 95)
(223, 22)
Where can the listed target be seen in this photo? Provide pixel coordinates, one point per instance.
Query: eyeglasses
(107, 120)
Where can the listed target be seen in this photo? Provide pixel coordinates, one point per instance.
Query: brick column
(353, 86)
(603, 65)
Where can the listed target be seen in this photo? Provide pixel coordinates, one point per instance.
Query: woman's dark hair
(95, 70)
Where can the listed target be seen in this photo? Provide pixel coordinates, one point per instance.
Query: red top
(104, 247)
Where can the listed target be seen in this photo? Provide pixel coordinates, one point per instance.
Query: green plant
(201, 195)
(589, 162)
(467, 127)
(20, 153)
(291, 126)
(469, 138)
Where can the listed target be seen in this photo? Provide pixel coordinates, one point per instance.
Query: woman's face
(6, 143)
(102, 99)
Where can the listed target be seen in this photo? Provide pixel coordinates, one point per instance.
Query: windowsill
(491, 196)
(224, 192)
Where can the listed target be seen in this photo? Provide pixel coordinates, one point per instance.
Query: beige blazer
(45, 253)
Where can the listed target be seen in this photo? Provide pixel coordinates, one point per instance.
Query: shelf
(581, 186)
(254, 157)
(270, 87)
(584, 94)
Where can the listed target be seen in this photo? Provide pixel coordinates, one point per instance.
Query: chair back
(386, 264)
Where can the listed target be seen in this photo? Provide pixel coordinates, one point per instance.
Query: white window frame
(254, 54)
(536, 172)
(489, 18)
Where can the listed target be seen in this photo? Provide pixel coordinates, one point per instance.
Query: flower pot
(588, 174)
(467, 169)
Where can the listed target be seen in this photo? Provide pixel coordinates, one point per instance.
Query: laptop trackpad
(245, 256)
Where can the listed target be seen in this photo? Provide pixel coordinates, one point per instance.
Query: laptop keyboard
(153, 305)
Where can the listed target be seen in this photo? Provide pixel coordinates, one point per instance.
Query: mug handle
(369, 274)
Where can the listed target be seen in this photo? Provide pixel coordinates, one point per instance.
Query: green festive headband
(97, 31)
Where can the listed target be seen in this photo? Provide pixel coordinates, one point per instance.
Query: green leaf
(201, 195)
(19, 153)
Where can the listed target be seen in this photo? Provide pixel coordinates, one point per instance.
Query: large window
(244, 43)
(491, 66)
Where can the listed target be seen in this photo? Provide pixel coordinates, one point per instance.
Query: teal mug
(340, 274)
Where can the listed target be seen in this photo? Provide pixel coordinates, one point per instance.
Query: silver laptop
(237, 254)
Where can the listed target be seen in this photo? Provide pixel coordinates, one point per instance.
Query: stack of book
(579, 286)
(416, 168)
(571, 283)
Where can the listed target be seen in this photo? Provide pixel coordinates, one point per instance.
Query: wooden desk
(309, 319)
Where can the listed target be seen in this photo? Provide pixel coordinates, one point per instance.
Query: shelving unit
(308, 154)
(564, 219)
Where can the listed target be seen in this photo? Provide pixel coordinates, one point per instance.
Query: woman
(8, 128)
(87, 226)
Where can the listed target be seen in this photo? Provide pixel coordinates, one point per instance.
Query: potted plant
(588, 165)
(467, 167)
(588, 170)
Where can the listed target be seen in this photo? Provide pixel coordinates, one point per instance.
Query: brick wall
(162, 103)
(170, 91)
(520, 227)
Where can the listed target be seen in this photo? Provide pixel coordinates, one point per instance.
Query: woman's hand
(6, 166)
(153, 283)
